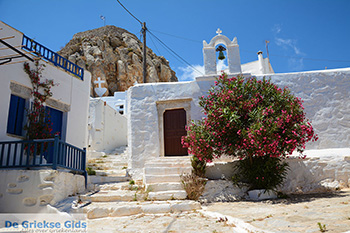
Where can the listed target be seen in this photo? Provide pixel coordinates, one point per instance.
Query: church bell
(221, 55)
(220, 49)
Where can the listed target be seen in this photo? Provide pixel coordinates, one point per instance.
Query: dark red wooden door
(174, 129)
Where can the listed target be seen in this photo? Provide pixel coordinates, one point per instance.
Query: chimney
(261, 63)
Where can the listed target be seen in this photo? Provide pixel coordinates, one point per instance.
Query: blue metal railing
(47, 54)
(41, 153)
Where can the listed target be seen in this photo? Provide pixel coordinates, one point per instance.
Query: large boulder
(115, 55)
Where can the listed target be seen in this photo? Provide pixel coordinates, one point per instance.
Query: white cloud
(277, 28)
(189, 74)
(290, 45)
(296, 63)
(221, 66)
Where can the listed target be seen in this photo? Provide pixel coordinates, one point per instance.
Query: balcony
(50, 56)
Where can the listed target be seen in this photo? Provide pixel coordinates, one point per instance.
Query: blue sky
(303, 34)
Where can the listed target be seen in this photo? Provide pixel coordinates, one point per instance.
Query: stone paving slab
(299, 213)
(190, 222)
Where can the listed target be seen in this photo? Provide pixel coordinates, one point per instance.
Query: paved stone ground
(177, 222)
(299, 213)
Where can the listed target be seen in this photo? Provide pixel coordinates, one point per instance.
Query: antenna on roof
(267, 48)
(104, 20)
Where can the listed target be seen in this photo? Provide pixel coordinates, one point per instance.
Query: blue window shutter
(16, 115)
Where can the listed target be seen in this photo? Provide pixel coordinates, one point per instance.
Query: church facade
(158, 113)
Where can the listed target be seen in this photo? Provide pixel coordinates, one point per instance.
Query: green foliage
(131, 182)
(248, 118)
(322, 227)
(38, 124)
(262, 172)
(91, 171)
(198, 166)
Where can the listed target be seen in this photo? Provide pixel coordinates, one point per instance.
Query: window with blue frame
(16, 115)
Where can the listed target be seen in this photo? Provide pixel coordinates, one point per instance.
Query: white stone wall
(70, 96)
(143, 122)
(107, 127)
(30, 191)
(326, 96)
(322, 170)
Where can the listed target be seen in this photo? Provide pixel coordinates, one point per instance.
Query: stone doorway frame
(164, 105)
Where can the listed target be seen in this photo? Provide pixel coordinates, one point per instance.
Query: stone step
(164, 186)
(115, 186)
(107, 163)
(111, 172)
(173, 159)
(151, 179)
(167, 164)
(107, 179)
(167, 170)
(168, 195)
(110, 196)
(119, 209)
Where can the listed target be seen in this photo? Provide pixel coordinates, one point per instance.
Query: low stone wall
(30, 191)
(320, 171)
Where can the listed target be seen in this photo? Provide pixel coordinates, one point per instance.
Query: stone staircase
(162, 177)
(109, 168)
(113, 194)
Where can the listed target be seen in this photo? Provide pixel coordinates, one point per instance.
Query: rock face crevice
(115, 55)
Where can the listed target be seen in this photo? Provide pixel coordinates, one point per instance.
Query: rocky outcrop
(115, 55)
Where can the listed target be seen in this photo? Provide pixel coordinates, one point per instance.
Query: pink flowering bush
(38, 124)
(248, 118)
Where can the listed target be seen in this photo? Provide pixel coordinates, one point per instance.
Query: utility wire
(311, 59)
(249, 51)
(178, 57)
(155, 45)
(129, 12)
(183, 38)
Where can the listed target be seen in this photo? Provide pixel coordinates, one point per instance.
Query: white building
(107, 125)
(29, 190)
(153, 108)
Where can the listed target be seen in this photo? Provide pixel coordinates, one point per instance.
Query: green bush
(198, 166)
(263, 172)
(249, 118)
(91, 171)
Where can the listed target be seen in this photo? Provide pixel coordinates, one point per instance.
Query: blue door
(56, 118)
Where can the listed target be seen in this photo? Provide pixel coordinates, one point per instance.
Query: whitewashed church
(158, 113)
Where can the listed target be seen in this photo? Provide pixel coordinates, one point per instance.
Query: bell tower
(233, 57)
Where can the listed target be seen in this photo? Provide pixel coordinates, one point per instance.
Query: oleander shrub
(253, 120)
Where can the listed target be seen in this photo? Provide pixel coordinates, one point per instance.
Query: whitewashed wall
(143, 121)
(25, 191)
(107, 127)
(326, 96)
(70, 92)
